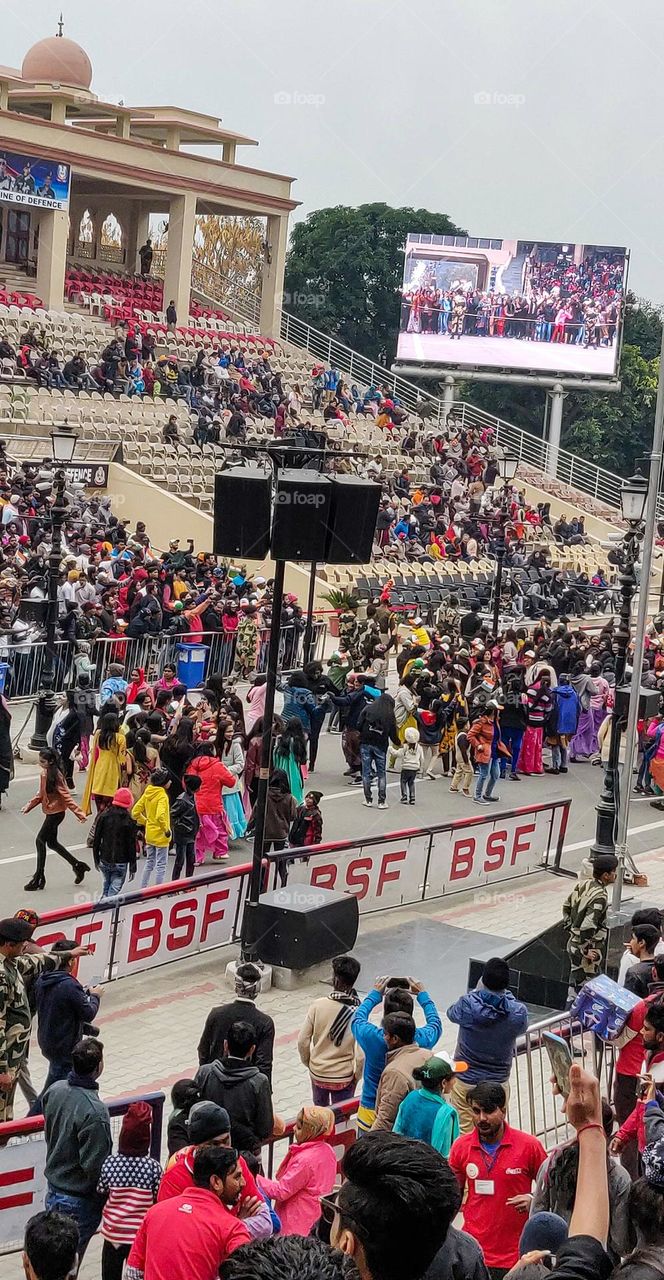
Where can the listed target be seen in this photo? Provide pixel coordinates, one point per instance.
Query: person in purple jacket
(395, 999)
(490, 1019)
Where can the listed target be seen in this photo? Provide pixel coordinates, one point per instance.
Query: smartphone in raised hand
(560, 1057)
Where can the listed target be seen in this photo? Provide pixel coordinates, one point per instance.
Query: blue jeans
(115, 874)
(488, 773)
(512, 737)
(157, 858)
(328, 1097)
(369, 755)
(85, 1210)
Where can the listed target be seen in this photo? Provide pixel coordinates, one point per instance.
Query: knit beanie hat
(123, 798)
(206, 1121)
(136, 1130)
(653, 1165)
(411, 735)
(543, 1231)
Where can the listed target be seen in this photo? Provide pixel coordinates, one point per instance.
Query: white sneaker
(382, 804)
(368, 804)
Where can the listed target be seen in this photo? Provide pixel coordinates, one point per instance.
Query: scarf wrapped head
(315, 1122)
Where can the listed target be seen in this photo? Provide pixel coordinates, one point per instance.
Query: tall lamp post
(633, 498)
(63, 447)
(507, 466)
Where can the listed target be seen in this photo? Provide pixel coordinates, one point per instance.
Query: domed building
(72, 164)
(57, 60)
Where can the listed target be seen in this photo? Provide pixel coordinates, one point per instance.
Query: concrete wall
(167, 516)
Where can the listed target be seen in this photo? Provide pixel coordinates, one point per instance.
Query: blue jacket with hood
(489, 1023)
(63, 1006)
(372, 1041)
(568, 709)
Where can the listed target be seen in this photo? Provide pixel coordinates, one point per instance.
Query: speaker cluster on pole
(304, 516)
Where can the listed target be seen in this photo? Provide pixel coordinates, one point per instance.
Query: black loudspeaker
(301, 516)
(649, 700)
(300, 926)
(355, 504)
(242, 513)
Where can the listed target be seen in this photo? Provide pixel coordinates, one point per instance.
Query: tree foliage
(345, 267)
(231, 246)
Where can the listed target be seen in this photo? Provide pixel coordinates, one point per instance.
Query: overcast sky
(518, 118)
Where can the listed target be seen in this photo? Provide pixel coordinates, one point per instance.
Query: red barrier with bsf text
(154, 926)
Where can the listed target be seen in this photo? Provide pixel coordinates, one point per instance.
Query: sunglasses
(328, 1207)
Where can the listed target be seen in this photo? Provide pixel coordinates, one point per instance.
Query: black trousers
(47, 838)
(624, 1101)
(113, 1259)
(184, 857)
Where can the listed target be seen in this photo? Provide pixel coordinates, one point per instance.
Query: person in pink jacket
(307, 1172)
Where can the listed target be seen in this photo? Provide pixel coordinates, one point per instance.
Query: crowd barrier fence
(26, 661)
(149, 927)
(23, 1157)
(533, 1106)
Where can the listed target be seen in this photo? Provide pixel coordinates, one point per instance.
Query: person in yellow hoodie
(153, 812)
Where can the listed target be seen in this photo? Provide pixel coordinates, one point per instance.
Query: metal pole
(448, 394)
(46, 702)
(500, 556)
(605, 829)
(640, 634)
(556, 395)
(255, 881)
(309, 628)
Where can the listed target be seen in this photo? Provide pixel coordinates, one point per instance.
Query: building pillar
(274, 267)
(4, 95)
(138, 230)
(58, 111)
(179, 253)
(228, 152)
(52, 257)
(172, 138)
(123, 125)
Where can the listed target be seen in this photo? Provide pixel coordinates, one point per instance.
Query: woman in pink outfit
(256, 699)
(307, 1172)
(213, 829)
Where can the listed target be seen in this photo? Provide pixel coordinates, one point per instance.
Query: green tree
(345, 268)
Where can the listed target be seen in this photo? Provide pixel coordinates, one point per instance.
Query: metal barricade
(26, 661)
(533, 1106)
(23, 1157)
(341, 1138)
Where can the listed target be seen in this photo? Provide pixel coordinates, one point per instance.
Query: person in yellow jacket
(108, 752)
(153, 812)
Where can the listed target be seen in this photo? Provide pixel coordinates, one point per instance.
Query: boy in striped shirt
(130, 1182)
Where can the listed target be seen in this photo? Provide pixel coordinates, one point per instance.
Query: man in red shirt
(189, 1236)
(630, 1061)
(496, 1167)
(209, 1127)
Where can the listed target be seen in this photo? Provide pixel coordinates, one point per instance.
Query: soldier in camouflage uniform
(584, 919)
(15, 1015)
(350, 630)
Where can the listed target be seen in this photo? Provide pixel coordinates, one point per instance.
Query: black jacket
(217, 1025)
(184, 819)
(244, 1091)
(459, 1258)
(115, 838)
(63, 1006)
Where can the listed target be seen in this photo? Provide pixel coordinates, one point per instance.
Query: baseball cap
(441, 1067)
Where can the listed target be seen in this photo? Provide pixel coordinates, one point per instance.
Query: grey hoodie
(237, 1085)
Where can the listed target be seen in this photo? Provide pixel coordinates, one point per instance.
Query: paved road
(344, 818)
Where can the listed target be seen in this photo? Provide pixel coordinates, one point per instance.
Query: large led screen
(515, 305)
